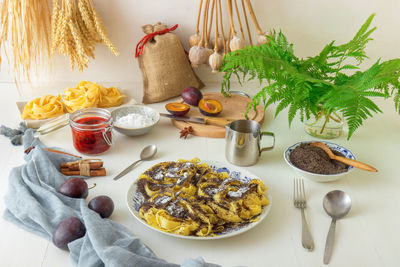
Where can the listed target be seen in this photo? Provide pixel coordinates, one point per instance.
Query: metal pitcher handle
(273, 144)
(240, 93)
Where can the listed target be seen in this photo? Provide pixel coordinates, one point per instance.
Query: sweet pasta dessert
(190, 198)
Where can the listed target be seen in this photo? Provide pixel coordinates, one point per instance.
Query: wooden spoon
(345, 160)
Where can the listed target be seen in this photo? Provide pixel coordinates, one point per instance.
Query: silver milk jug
(242, 145)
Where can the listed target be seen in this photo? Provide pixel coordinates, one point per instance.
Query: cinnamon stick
(69, 172)
(75, 166)
(62, 152)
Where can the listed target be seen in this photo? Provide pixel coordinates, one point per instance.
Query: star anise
(186, 131)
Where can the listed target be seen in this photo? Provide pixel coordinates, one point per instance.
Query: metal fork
(299, 200)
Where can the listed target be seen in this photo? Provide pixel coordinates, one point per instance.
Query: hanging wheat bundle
(76, 29)
(25, 36)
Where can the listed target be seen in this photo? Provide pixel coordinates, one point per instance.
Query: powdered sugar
(133, 121)
(238, 193)
(162, 200)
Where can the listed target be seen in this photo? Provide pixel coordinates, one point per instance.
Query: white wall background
(309, 24)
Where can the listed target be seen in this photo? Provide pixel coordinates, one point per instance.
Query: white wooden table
(368, 236)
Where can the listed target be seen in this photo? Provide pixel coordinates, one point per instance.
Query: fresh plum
(67, 231)
(210, 107)
(103, 205)
(74, 187)
(177, 109)
(192, 96)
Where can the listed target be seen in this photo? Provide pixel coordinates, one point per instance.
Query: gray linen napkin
(33, 203)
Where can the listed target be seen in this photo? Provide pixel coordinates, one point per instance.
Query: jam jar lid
(91, 112)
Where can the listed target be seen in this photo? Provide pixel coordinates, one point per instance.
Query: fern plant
(319, 85)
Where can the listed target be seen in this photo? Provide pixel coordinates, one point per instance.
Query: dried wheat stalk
(25, 36)
(76, 29)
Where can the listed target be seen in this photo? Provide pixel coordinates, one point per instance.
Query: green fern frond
(304, 86)
(397, 101)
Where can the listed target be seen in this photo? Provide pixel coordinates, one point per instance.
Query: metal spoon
(337, 204)
(345, 160)
(147, 153)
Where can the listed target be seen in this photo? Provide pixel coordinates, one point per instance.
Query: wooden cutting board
(233, 107)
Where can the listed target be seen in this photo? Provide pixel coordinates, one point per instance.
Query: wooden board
(232, 108)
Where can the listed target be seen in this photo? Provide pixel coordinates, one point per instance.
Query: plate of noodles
(200, 200)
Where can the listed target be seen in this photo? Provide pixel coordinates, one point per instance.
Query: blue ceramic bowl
(315, 176)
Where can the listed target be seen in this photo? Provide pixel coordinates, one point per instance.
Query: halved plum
(210, 107)
(177, 109)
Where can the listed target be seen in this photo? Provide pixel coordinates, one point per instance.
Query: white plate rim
(132, 190)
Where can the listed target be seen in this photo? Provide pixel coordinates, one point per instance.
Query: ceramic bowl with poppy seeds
(313, 163)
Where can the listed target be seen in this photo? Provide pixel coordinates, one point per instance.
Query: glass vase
(325, 126)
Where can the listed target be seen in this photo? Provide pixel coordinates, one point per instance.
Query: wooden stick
(206, 42)
(253, 16)
(216, 27)
(198, 17)
(239, 20)
(96, 165)
(229, 3)
(221, 25)
(201, 43)
(211, 18)
(247, 22)
(99, 172)
(228, 48)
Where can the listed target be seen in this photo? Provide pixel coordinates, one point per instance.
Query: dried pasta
(44, 107)
(189, 198)
(84, 95)
(89, 94)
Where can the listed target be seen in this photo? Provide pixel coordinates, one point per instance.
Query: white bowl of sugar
(134, 120)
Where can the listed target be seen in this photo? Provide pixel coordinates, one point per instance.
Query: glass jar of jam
(91, 130)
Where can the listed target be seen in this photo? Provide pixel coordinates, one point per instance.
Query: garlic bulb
(194, 40)
(262, 39)
(236, 43)
(215, 61)
(197, 56)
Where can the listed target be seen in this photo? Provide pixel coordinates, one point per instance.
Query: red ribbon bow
(140, 45)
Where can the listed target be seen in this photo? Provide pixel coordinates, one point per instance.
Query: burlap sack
(165, 68)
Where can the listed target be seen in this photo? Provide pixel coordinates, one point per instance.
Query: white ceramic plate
(234, 172)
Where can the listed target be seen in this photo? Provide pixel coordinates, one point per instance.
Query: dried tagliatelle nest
(85, 95)
(90, 94)
(189, 198)
(44, 107)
